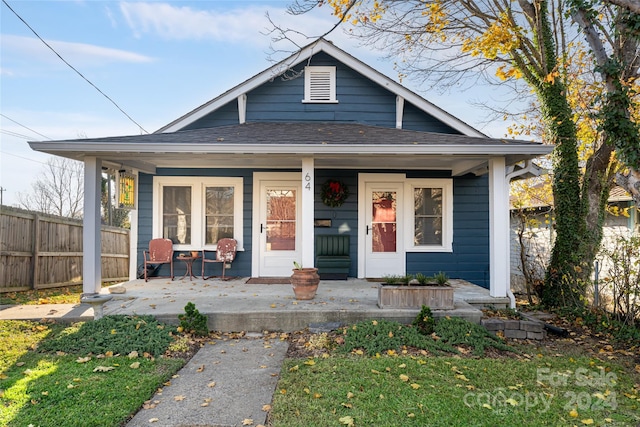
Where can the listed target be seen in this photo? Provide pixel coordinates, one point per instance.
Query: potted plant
(304, 282)
(409, 291)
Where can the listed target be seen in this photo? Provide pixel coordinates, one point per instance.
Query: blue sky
(156, 59)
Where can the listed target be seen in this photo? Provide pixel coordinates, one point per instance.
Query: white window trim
(198, 186)
(447, 214)
(308, 72)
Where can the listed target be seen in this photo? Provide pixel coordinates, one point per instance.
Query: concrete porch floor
(235, 305)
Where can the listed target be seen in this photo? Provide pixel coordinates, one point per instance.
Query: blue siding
(469, 259)
(360, 100)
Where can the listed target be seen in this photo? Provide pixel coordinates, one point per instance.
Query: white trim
(133, 234)
(399, 111)
(307, 212)
(499, 256)
(447, 214)
(198, 185)
(100, 148)
(91, 231)
(303, 55)
(242, 108)
(320, 85)
(255, 223)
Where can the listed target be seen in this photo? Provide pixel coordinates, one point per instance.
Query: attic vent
(320, 84)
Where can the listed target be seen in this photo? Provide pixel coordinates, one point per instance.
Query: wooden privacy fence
(40, 251)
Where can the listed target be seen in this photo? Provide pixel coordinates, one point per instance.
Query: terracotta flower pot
(305, 282)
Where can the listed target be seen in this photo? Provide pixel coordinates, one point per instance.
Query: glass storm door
(279, 228)
(384, 245)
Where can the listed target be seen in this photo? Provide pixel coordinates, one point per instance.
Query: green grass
(446, 391)
(54, 389)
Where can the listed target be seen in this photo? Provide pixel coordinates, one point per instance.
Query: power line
(20, 124)
(16, 134)
(73, 68)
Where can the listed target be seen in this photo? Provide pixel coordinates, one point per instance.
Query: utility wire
(73, 68)
(12, 133)
(20, 124)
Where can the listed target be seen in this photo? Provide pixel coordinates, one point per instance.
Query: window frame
(198, 186)
(447, 214)
(308, 73)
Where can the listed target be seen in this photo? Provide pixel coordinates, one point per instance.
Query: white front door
(384, 246)
(277, 231)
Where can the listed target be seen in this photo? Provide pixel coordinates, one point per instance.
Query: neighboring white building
(539, 239)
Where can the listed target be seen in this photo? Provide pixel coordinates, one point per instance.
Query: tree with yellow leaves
(531, 45)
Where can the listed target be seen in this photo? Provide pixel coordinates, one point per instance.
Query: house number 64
(307, 179)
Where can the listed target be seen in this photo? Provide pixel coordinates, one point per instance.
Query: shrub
(424, 321)
(193, 321)
(457, 331)
(379, 336)
(119, 334)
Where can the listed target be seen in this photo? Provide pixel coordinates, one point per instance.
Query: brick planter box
(519, 329)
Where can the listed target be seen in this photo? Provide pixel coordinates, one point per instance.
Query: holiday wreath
(334, 193)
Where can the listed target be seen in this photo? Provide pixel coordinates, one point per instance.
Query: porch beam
(306, 220)
(499, 257)
(91, 239)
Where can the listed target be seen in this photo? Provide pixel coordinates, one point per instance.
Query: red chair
(225, 253)
(160, 252)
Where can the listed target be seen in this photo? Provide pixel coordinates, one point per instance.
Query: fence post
(35, 251)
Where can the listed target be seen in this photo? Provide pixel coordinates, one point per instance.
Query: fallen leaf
(179, 398)
(247, 422)
(350, 395)
(512, 402)
(404, 377)
(103, 368)
(266, 408)
(132, 355)
(294, 368)
(200, 369)
(415, 386)
(83, 359)
(347, 421)
(486, 405)
(347, 405)
(153, 420)
(587, 422)
(573, 413)
(317, 395)
(462, 377)
(310, 362)
(135, 365)
(20, 364)
(211, 384)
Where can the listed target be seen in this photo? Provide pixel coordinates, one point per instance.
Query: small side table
(188, 262)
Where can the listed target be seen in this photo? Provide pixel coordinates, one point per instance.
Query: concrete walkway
(227, 383)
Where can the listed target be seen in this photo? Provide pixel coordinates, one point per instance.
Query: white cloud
(244, 25)
(75, 53)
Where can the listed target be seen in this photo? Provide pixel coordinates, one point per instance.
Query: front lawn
(574, 381)
(66, 386)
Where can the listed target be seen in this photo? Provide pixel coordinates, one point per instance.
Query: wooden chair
(160, 252)
(225, 253)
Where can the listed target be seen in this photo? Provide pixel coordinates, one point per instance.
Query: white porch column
(306, 222)
(91, 240)
(499, 257)
(133, 234)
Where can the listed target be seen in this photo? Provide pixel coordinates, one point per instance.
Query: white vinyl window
(196, 212)
(429, 210)
(319, 84)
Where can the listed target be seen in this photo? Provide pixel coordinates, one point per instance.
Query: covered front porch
(236, 305)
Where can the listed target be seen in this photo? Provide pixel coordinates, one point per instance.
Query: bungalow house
(425, 192)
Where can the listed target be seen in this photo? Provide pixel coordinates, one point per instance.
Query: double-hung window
(429, 207)
(196, 212)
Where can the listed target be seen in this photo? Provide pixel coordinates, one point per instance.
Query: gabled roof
(321, 45)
